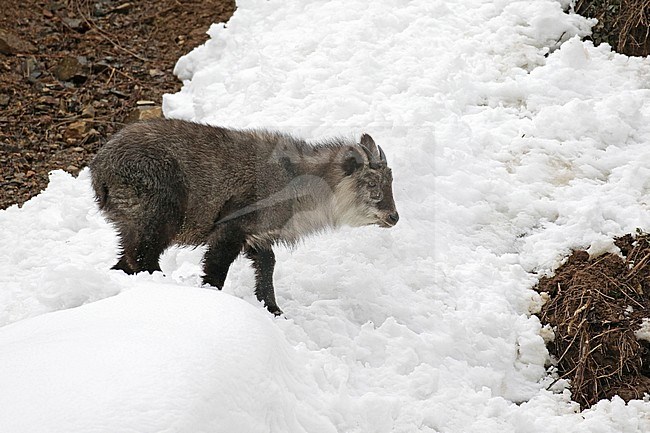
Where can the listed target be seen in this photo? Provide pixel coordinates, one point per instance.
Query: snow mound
(155, 358)
(56, 248)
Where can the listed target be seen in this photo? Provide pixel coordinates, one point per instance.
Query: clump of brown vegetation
(595, 307)
(623, 24)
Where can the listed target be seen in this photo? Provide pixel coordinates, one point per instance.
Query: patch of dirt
(595, 307)
(623, 24)
(73, 72)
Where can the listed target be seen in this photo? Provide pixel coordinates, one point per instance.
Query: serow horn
(373, 162)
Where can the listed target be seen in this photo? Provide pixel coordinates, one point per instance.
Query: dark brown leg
(220, 255)
(264, 263)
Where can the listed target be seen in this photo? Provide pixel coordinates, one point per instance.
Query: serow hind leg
(123, 265)
(264, 263)
(151, 246)
(142, 249)
(127, 262)
(220, 255)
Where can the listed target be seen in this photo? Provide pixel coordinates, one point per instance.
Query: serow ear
(369, 143)
(352, 161)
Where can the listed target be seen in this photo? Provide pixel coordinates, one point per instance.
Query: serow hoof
(275, 310)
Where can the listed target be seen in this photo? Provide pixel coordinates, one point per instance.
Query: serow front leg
(264, 263)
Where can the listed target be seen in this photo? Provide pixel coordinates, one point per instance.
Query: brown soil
(595, 306)
(72, 72)
(623, 24)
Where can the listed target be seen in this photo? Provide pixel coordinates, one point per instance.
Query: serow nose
(394, 217)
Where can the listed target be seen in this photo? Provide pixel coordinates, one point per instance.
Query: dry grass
(621, 23)
(633, 23)
(595, 307)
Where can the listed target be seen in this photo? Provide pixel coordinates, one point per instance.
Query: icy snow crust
(511, 142)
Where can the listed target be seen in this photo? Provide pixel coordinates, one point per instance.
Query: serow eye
(372, 184)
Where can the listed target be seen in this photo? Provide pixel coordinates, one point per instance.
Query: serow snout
(388, 220)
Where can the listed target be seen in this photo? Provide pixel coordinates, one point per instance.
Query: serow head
(371, 183)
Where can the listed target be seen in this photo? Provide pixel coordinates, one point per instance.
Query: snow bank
(55, 251)
(511, 142)
(154, 358)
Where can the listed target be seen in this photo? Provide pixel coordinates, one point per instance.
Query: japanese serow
(165, 182)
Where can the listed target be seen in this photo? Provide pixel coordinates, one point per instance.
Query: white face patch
(346, 209)
(336, 208)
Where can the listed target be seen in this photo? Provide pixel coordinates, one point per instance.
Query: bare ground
(72, 72)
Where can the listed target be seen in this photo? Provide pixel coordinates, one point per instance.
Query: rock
(47, 100)
(92, 135)
(75, 24)
(124, 8)
(88, 111)
(28, 66)
(48, 87)
(4, 100)
(99, 10)
(100, 66)
(12, 44)
(54, 6)
(30, 69)
(34, 76)
(118, 93)
(143, 113)
(71, 69)
(75, 131)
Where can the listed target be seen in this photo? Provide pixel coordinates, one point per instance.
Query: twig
(104, 34)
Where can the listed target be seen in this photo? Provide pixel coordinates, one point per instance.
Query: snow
(643, 333)
(512, 141)
(122, 356)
